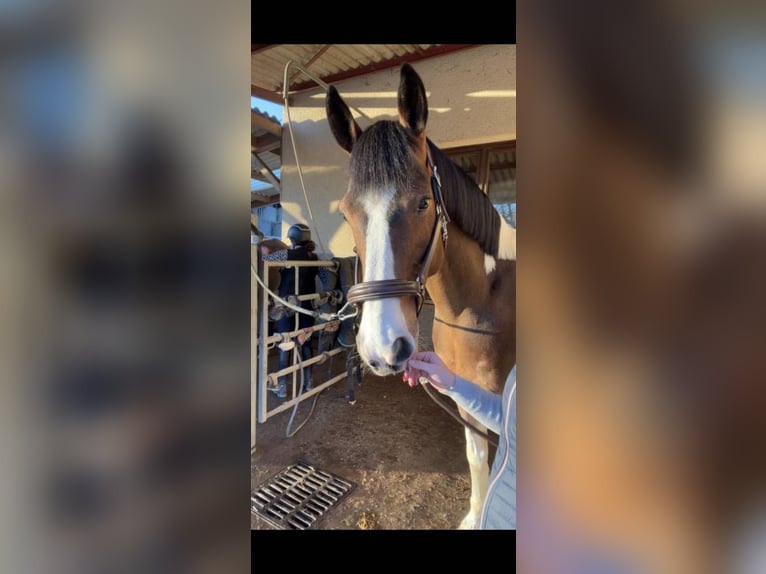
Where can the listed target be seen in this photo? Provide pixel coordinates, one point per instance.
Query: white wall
(471, 98)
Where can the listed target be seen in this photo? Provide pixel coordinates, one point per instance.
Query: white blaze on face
(382, 320)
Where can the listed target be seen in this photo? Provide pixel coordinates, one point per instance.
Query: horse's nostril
(402, 349)
(374, 364)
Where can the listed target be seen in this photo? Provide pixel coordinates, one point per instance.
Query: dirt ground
(405, 454)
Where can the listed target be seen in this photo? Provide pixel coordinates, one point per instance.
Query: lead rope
(353, 358)
(337, 316)
(288, 434)
(458, 418)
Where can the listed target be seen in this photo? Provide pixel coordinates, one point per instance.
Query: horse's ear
(342, 124)
(413, 106)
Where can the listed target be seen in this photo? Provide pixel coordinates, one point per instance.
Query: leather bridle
(390, 288)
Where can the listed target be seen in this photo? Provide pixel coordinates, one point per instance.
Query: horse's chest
(473, 357)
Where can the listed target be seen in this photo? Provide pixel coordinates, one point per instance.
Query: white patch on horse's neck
(489, 263)
(506, 248)
(507, 243)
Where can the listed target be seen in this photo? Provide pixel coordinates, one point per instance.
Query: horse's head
(390, 207)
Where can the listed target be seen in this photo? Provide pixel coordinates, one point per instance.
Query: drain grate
(299, 496)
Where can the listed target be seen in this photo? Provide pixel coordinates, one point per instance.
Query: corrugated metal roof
(266, 116)
(331, 62)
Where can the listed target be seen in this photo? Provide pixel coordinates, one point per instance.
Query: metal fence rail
(260, 412)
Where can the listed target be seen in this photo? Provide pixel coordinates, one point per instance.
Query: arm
(483, 405)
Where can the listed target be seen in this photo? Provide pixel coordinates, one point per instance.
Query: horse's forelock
(383, 158)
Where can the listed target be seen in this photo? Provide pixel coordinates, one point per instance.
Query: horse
(419, 221)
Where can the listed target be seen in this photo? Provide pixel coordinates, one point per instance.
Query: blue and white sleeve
(279, 255)
(483, 405)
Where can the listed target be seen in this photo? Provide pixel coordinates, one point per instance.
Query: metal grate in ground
(299, 496)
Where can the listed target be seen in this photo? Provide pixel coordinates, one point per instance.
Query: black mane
(466, 204)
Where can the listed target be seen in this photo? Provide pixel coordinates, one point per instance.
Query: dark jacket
(306, 275)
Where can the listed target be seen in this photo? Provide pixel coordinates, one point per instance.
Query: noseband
(390, 288)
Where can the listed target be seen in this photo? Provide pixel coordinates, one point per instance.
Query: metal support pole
(262, 350)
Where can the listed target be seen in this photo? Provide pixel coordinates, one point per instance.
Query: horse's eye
(423, 205)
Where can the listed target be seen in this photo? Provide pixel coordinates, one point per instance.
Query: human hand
(430, 367)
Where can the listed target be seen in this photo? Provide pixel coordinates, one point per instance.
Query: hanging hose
(285, 92)
(300, 177)
(288, 434)
(337, 316)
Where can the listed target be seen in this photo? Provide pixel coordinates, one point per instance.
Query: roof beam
(270, 177)
(268, 95)
(266, 142)
(255, 48)
(383, 65)
(260, 122)
(255, 174)
(502, 165)
(261, 200)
